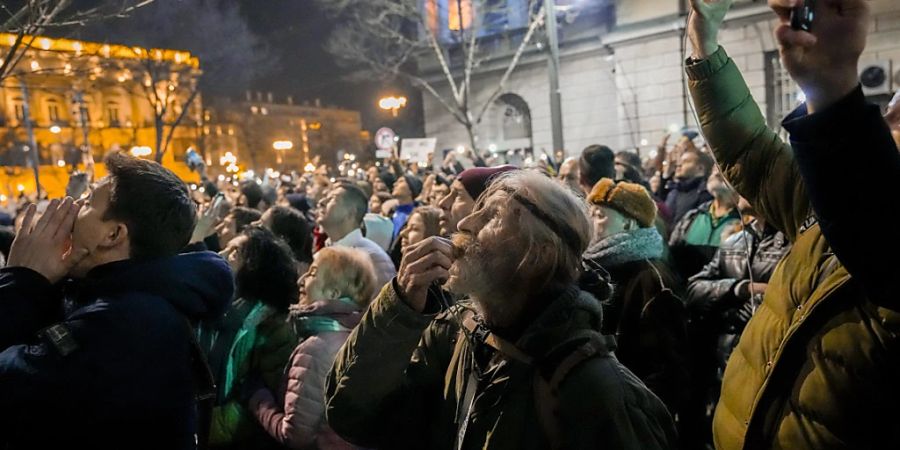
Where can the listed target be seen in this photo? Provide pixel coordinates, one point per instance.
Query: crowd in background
(604, 300)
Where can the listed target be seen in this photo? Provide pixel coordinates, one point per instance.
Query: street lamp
(392, 104)
(55, 129)
(282, 145)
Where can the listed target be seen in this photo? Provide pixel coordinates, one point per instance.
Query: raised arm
(753, 158)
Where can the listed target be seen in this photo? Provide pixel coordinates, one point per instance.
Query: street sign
(417, 150)
(382, 154)
(385, 138)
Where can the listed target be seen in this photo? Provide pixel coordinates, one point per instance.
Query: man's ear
(117, 235)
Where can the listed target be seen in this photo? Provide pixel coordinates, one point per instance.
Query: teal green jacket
(261, 347)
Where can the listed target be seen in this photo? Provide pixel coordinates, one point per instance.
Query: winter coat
(685, 195)
(400, 382)
(111, 369)
(697, 236)
(816, 366)
(712, 296)
(251, 344)
(644, 312)
(295, 416)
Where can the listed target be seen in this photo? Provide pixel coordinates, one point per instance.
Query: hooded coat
(112, 367)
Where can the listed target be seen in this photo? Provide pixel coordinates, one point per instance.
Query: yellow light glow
(20, 187)
(61, 163)
(55, 129)
(35, 66)
(45, 44)
(309, 168)
(282, 145)
(2, 198)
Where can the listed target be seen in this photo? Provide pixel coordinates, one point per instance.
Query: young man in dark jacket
(104, 360)
(816, 365)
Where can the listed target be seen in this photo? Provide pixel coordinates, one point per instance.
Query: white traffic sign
(385, 138)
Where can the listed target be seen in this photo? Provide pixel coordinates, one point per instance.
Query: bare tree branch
(513, 63)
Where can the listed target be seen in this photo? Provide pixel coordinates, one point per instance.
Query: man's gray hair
(558, 228)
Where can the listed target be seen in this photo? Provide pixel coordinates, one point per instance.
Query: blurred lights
(45, 44)
(309, 168)
(61, 163)
(35, 66)
(20, 187)
(282, 145)
(392, 104)
(460, 149)
(644, 142)
(673, 128)
(801, 97)
(55, 129)
(141, 151)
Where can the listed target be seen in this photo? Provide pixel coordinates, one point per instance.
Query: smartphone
(802, 16)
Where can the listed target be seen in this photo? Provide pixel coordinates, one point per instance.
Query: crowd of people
(722, 294)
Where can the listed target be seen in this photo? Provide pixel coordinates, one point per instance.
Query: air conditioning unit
(876, 78)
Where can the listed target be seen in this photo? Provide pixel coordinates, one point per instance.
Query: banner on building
(417, 150)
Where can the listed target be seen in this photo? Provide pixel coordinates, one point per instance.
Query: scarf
(323, 317)
(626, 247)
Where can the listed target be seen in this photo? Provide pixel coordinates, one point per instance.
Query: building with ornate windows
(620, 80)
(250, 128)
(103, 97)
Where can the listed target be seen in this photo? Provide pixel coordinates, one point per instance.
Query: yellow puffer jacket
(818, 366)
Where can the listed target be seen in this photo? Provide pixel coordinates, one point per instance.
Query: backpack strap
(546, 392)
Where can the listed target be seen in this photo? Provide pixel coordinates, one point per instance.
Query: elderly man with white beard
(520, 365)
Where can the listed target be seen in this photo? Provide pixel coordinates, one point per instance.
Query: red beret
(477, 179)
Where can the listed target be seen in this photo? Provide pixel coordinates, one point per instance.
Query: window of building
(782, 93)
(112, 111)
(459, 14)
(53, 110)
(264, 111)
(19, 106)
(254, 109)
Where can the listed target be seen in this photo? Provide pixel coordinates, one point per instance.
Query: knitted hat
(477, 179)
(415, 185)
(387, 178)
(630, 199)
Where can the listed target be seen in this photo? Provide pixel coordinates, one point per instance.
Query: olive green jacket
(400, 380)
(818, 365)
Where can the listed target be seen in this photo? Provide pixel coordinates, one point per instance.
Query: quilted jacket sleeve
(753, 158)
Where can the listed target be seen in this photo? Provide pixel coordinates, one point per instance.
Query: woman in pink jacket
(333, 293)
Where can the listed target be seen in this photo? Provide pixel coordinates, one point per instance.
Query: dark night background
(294, 33)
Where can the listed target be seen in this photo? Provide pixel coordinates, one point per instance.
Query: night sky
(295, 32)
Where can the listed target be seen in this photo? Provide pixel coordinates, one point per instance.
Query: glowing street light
(392, 104)
(140, 151)
(55, 129)
(282, 145)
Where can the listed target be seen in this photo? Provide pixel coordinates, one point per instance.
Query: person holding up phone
(816, 366)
